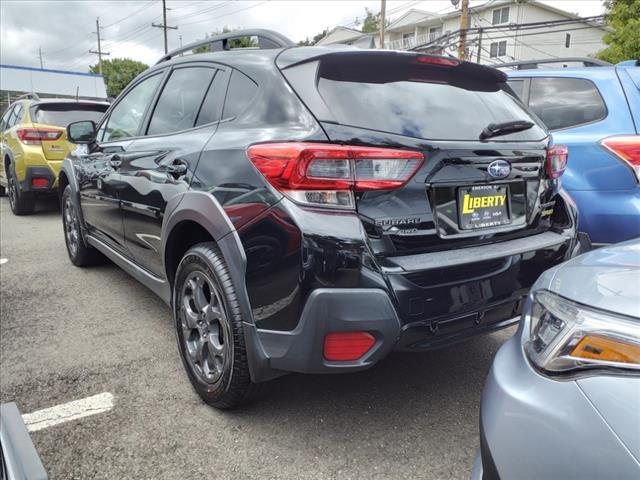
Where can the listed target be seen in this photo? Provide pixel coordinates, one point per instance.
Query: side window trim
(206, 92)
(526, 88)
(16, 115)
(131, 86)
(220, 70)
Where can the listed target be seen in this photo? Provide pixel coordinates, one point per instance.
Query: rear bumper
(334, 310)
(39, 172)
(414, 314)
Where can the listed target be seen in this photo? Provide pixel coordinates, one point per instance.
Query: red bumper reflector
(346, 346)
(40, 182)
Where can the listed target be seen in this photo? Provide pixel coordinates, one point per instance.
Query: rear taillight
(327, 175)
(626, 148)
(33, 136)
(557, 157)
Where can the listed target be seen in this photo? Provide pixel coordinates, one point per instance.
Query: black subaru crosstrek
(312, 209)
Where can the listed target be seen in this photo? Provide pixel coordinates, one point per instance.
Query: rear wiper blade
(504, 128)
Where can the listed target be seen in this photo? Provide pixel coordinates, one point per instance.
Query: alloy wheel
(13, 193)
(71, 226)
(205, 327)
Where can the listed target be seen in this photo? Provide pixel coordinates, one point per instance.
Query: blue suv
(595, 111)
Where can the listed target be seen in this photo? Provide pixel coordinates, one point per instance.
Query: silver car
(563, 396)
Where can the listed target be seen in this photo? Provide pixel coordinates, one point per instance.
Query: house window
(498, 49)
(567, 40)
(500, 15)
(406, 39)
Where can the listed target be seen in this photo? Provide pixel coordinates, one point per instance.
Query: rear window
(63, 114)
(398, 95)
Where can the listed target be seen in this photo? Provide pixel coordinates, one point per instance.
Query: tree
(624, 41)
(316, 38)
(118, 73)
(242, 42)
(371, 22)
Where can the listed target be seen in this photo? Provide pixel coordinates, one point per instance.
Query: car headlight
(569, 338)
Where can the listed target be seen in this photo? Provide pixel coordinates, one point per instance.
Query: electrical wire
(129, 15)
(226, 14)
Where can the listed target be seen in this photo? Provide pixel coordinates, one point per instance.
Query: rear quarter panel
(602, 185)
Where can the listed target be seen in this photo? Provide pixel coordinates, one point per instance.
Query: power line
(200, 12)
(227, 14)
(129, 15)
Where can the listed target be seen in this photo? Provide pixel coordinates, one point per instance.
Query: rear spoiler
(384, 66)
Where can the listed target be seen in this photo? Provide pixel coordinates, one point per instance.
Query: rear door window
(15, 116)
(5, 118)
(62, 114)
(179, 103)
(565, 102)
(211, 109)
(402, 95)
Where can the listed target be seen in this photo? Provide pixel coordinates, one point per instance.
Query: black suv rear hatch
(438, 106)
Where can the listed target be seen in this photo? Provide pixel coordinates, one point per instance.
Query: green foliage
(316, 38)
(118, 73)
(243, 42)
(624, 41)
(371, 22)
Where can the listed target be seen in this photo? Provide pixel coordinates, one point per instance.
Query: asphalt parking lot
(70, 333)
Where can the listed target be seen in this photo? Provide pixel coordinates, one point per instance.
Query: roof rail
(533, 64)
(29, 96)
(266, 39)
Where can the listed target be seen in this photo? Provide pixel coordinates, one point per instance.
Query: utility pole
(479, 45)
(383, 10)
(164, 25)
(464, 25)
(40, 55)
(99, 52)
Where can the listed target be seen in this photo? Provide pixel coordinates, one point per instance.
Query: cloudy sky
(64, 29)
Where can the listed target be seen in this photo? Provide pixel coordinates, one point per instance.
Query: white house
(509, 36)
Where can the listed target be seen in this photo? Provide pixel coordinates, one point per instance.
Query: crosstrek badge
(470, 203)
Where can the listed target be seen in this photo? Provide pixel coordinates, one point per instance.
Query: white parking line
(66, 412)
(3, 261)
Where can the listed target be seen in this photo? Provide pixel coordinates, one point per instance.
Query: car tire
(21, 204)
(209, 329)
(80, 254)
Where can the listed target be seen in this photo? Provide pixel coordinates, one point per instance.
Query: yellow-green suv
(33, 144)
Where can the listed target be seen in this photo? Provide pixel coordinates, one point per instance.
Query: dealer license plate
(483, 206)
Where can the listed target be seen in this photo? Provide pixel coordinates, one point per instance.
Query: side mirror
(82, 133)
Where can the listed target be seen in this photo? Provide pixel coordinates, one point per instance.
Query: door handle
(177, 169)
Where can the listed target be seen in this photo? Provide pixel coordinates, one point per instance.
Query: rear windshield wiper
(504, 128)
